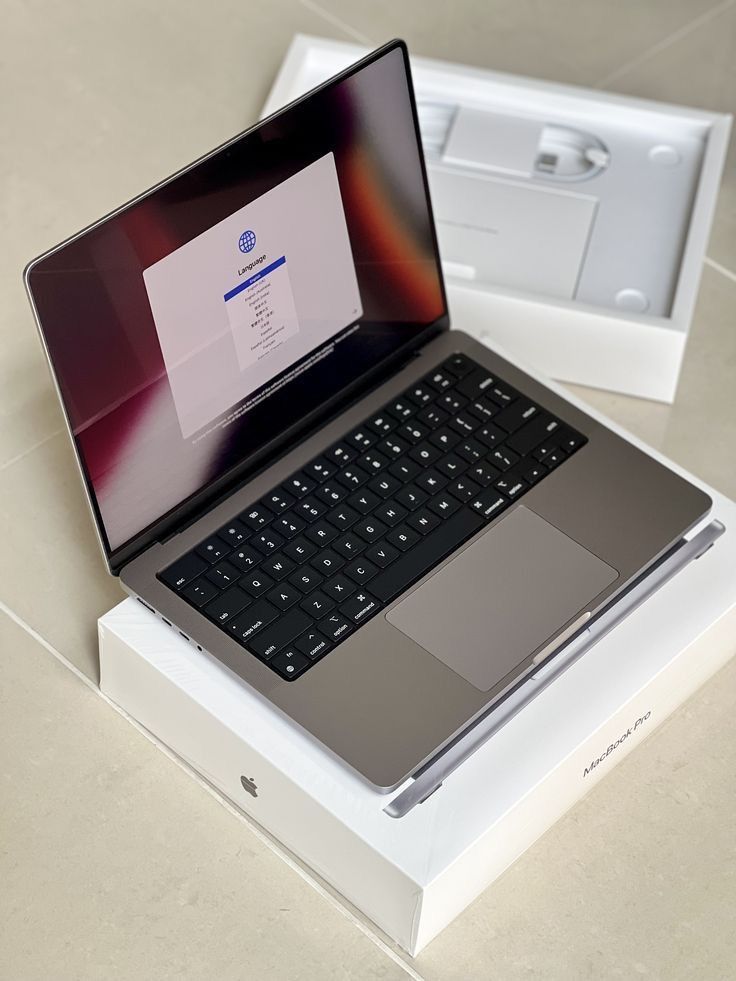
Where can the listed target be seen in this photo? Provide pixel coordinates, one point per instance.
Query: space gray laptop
(378, 524)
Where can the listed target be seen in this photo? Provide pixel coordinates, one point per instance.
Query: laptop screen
(208, 317)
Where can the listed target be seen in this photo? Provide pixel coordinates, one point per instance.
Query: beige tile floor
(114, 863)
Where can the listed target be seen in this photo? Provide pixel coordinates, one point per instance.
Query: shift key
(287, 627)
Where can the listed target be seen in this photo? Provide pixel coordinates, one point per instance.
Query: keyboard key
(463, 489)
(459, 365)
(361, 571)
(213, 549)
(320, 469)
(382, 423)
(515, 416)
(331, 493)
(335, 626)
(382, 554)
(310, 509)
(392, 447)
(405, 470)
(256, 583)
(223, 574)
(502, 394)
(483, 473)
(321, 533)
(444, 504)
(283, 631)
(364, 501)
(483, 409)
(299, 485)
(245, 558)
(470, 450)
(411, 497)
(391, 513)
(300, 550)
(433, 417)
(361, 439)
(328, 562)
(425, 454)
(352, 477)
(306, 579)
(317, 604)
(420, 395)
(200, 592)
(423, 521)
(511, 486)
(402, 537)
(278, 501)
(349, 546)
(534, 473)
(444, 439)
(554, 458)
(289, 525)
(464, 424)
(278, 566)
(339, 587)
(184, 570)
(312, 644)
(341, 454)
(254, 619)
(267, 542)
(343, 517)
(256, 517)
(475, 384)
(235, 533)
(490, 435)
(452, 402)
(440, 380)
(489, 503)
(452, 465)
(289, 663)
(373, 461)
(569, 440)
(413, 432)
(284, 597)
(431, 481)
(425, 555)
(228, 604)
(385, 485)
(370, 529)
(359, 607)
(272, 639)
(400, 409)
(503, 458)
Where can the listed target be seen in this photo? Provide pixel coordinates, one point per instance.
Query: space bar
(426, 554)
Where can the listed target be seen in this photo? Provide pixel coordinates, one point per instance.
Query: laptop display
(213, 314)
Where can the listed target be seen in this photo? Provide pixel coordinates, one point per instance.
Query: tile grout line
(24, 453)
(723, 270)
(337, 22)
(215, 794)
(666, 42)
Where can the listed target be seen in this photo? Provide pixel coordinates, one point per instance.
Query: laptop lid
(202, 327)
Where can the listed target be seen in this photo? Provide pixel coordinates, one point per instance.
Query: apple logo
(249, 785)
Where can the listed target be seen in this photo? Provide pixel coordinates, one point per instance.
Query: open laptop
(378, 524)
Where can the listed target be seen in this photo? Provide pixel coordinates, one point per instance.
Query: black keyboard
(317, 557)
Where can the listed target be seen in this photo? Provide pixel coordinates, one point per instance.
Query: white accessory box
(412, 876)
(592, 279)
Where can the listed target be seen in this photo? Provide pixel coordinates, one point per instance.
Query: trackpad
(502, 598)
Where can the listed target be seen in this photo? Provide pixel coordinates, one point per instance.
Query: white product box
(413, 875)
(572, 222)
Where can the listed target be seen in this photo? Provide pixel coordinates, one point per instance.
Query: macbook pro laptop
(377, 523)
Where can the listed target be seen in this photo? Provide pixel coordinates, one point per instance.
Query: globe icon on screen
(247, 241)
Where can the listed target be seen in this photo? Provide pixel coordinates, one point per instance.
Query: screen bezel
(203, 499)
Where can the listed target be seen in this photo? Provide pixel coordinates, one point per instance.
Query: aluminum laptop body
(379, 524)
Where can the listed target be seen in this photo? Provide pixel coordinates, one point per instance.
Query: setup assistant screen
(253, 295)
